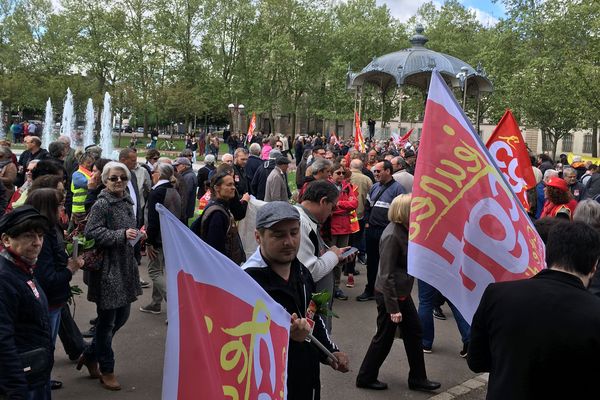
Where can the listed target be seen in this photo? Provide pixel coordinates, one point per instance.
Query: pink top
(265, 151)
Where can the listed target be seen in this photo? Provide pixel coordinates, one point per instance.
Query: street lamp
(403, 98)
(236, 111)
(463, 75)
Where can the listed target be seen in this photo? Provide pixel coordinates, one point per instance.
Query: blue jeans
(427, 300)
(54, 323)
(108, 323)
(40, 393)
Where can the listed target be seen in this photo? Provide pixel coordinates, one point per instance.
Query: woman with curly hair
(559, 201)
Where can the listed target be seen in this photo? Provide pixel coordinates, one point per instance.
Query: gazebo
(413, 67)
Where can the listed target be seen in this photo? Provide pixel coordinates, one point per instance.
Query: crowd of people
(68, 209)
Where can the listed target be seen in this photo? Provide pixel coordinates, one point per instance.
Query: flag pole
(322, 348)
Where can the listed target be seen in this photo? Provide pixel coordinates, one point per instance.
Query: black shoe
(362, 259)
(340, 295)
(438, 313)
(54, 385)
(373, 385)
(463, 353)
(90, 333)
(423, 384)
(365, 296)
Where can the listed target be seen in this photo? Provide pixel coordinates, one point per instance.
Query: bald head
(356, 164)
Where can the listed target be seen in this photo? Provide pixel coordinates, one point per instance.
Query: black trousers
(373, 234)
(381, 344)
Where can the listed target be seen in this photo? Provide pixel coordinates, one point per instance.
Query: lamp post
(463, 75)
(236, 110)
(403, 98)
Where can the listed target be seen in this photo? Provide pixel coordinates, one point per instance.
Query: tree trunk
(595, 138)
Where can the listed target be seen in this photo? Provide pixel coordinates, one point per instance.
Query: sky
(486, 11)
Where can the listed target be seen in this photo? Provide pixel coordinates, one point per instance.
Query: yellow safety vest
(79, 194)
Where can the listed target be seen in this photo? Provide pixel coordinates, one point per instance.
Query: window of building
(547, 142)
(588, 143)
(567, 143)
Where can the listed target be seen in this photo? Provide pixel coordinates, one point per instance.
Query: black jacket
(166, 195)
(303, 381)
(539, 338)
(203, 178)
(24, 326)
(253, 164)
(241, 180)
(259, 182)
(51, 271)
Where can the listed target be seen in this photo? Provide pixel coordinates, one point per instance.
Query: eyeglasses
(339, 172)
(279, 147)
(154, 158)
(115, 178)
(376, 171)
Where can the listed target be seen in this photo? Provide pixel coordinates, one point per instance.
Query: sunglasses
(116, 178)
(154, 158)
(339, 172)
(376, 171)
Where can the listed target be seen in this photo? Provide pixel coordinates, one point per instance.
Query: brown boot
(92, 366)
(109, 381)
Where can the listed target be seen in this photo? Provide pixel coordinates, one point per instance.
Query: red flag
(227, 338)
(404, 139)
(467, 229)
(251, 128)
(359, 141)
(508, 150)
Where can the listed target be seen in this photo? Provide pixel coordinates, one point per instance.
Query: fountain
(106, 129)
(88, 132)
(48, 125)
(67, 127)
(2, 133)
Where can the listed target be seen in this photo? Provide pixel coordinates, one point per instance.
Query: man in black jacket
(538, 338)
(34, 152)
(240, 159)
(163, 193)
(253, 164)
(277, 270)
(259, 182)
(204, 172)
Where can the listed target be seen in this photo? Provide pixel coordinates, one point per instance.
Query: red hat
(558, 183)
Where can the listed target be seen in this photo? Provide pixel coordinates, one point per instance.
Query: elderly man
(376, 219)
(402, 176)
(575, 187)
(204, 172)
(316, 206)
(259, 182)
(277, 269)
(163, 193)
(320, 170)
(254, 163)
(538, 337)
(277, 185)
(183, 167)
(227, 159)
(70, 159)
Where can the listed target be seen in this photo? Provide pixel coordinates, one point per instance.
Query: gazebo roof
(413, 67)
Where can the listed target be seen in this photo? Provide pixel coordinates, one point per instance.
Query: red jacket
(340, 218)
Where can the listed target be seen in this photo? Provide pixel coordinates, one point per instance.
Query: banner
(508, 149)
(359, 141)
(467, 229)
(227, 338)
(251, 128)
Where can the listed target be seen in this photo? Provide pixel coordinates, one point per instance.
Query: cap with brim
(274, 212)
(282, 161)
(558, 183)
(20, 215)
(182, 161)
(275, 154)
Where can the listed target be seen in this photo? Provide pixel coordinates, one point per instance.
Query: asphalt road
(139, 352)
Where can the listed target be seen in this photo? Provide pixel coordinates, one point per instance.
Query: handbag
(37, 364)
(93, 259)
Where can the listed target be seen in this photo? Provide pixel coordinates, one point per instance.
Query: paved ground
(139, 349)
